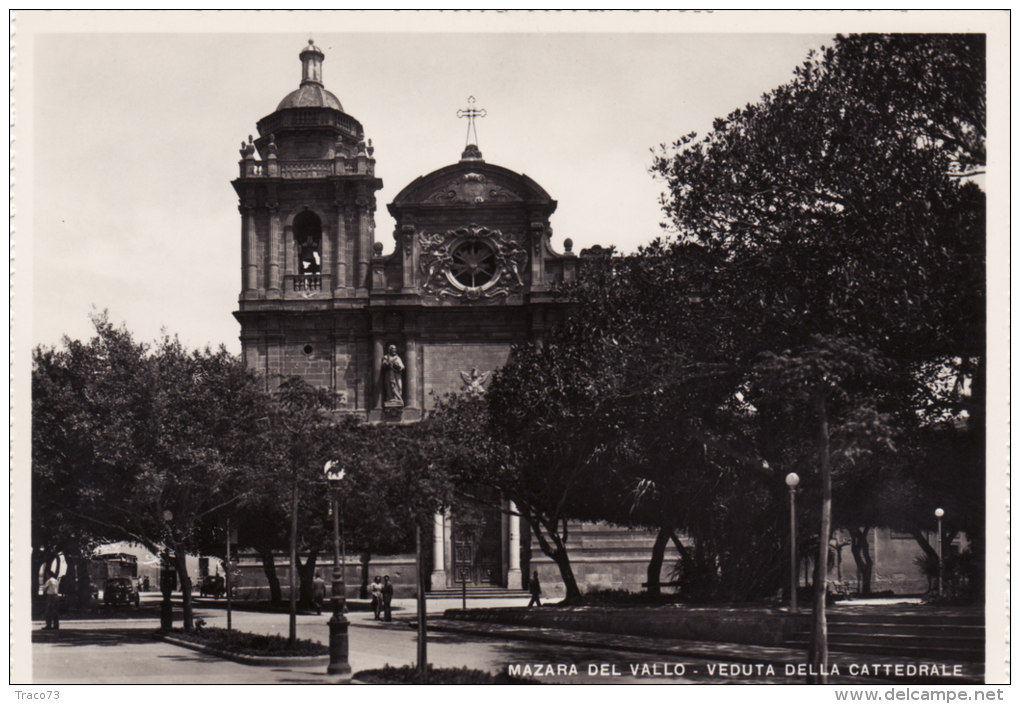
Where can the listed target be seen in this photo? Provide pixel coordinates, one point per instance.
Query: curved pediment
(471, 183)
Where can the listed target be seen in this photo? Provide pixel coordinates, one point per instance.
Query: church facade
(471, 273)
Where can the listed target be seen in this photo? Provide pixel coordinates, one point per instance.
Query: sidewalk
(124, 651)
(94, 653)
(877, 665)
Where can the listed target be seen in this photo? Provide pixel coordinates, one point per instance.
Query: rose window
(473, 264)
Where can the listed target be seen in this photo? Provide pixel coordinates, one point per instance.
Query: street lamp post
(939, 513)
(338, 624)
(792, 480)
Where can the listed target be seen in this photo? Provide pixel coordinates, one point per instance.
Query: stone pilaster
(249, 249)
(378, 346)
(411, 373)
(340, 252)
(364, 245)
(273, 259)
(439, 551)
(514, 579)
(406, 234)
(537, 255)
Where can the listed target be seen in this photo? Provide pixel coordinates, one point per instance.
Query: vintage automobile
(120, 590)
(213, 585)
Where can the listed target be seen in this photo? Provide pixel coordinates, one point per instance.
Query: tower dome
(311, 94)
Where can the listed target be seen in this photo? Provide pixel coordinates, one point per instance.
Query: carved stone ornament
(407, 239)
(471, 188)
(471, 263)
(474, 381)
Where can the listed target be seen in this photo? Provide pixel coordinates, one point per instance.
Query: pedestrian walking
(376, 591)
(387, 598)
(318, 591)
(51, 593)
(536, 590)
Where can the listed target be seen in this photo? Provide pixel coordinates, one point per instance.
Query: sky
(133, 134)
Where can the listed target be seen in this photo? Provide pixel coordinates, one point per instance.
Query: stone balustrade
(307, 282)
(307, 168)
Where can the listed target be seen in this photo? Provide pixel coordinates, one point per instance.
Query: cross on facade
(471, 112)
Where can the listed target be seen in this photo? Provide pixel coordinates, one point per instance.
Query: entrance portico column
(438, 551)
(513, 574)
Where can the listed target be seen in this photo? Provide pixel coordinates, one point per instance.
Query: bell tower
(306, 189)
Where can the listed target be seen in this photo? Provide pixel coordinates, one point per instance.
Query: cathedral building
(471, 273)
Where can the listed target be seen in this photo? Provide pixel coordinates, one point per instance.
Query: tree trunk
(419, 559)
(686, 564)
(862, 556)
(818, 655)
(166, 586)
(701, 579)
(52, 566)
(655, 564)
(80, 591)
(557, 552)
(365, 559)
(922, 542)
(269, 568)
(292, 567)
(39, 558)
(181, 562)
(306, 574)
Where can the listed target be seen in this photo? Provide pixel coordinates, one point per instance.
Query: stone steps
(952, 637)
(911, 629)
(948, 620)
(478, 592)
(919, 651)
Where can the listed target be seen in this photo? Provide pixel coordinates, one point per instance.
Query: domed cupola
(310, 122)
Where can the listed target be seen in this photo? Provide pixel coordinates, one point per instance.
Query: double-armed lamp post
(338, 624)
(792, 480)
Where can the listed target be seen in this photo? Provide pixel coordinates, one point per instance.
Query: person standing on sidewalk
(376, 591)
(318, 592)
(51, 593)
(387, 597)
(536, 590)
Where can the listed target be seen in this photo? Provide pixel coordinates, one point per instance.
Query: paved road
(119, 652)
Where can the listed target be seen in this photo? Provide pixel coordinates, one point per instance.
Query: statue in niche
(393, 377)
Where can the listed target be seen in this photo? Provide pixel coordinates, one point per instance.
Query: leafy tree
(837, 200)
(842, 206)
(298, 434)
(551, 419)
(143, 441)
(261, 522)
(397, 473)
(832, 387)
(72, 388)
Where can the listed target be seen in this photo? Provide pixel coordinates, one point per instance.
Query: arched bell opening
(308, 239)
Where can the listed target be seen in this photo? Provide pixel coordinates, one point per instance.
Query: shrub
(437, 675)
(251, 643)
(622, 597)
(960, 579)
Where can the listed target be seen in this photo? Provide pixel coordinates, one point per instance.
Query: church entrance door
(477, 545)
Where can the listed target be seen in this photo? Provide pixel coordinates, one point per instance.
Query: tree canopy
(137, 443)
